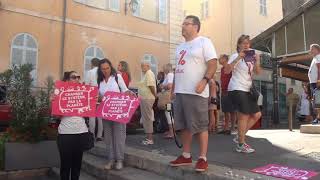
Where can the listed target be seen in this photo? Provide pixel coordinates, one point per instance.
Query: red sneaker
(201, 165)
(181, 161)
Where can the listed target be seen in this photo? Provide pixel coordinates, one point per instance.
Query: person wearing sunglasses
(71, 132)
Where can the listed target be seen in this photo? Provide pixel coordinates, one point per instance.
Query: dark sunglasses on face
(74, 77)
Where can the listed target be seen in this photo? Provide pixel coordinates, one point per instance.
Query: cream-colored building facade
(225, 20)
(34, 32)
(119, 30)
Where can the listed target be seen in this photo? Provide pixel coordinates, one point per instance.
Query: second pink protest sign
(118, 107)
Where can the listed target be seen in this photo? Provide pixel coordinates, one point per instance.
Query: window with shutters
(163, 6)
(154, 62)
(24, 49)
(263, 7)
(205, 9)
(152, 10)
(113, 5)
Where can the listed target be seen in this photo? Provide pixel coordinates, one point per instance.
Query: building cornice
(83, 24)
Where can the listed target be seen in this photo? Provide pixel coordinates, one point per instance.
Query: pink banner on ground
(118, 107)
(71, 99)
(285, 172)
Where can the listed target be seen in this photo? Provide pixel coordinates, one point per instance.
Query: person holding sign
(243, 65)
(114, 133)
(71, 132)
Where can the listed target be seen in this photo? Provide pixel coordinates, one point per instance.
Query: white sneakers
(245, 148)
(236, 139)
(111, 164)
(147, 142)
(119, 165)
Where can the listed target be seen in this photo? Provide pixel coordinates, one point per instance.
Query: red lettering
(179, 71)
(181, 60)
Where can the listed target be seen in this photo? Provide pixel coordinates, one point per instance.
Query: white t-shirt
(72, 125)
(112, 85)
(168, 79)
(313, 70)
(191, 65)
(91, 77)
(241, 79)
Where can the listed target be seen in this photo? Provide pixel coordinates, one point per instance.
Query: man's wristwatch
(207, 79)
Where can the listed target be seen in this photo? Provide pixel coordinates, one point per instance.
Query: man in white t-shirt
(196, 64)
(314, 74)
(91, 79)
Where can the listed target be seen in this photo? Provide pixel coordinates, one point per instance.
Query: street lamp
(131, 5)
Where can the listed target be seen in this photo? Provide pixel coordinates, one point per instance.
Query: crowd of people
(189, 97)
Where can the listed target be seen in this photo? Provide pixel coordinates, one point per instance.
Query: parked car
(5, 107)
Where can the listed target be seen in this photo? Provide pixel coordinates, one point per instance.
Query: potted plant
(29, 142)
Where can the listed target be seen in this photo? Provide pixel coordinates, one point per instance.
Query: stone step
(158, 163)
(94, 166)
(55, 172)
(310, 129)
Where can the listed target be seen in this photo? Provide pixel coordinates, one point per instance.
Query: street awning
(288, 40)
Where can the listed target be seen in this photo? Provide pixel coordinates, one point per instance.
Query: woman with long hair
(243, 65)
(71, 132)
(114, 133)
(123, 68)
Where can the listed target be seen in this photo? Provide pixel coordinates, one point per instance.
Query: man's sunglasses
(74, 77)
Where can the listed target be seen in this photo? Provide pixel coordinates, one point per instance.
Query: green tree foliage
(30, 105)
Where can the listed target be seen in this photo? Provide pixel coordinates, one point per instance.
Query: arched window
(90, 53)
(24, 49)
(154, 63)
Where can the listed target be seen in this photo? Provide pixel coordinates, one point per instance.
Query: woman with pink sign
(114, 133)
(71, 135)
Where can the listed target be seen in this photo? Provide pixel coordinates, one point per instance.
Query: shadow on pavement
(221, 151)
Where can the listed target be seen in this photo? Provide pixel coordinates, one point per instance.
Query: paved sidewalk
(36, 178)
(272, 147)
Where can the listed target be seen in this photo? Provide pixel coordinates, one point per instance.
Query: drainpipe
(63, 33)
(275, 74)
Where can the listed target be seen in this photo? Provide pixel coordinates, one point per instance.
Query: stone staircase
(310, 129)
(145, 165)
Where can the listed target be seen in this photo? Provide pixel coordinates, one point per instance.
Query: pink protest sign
(118, 107)
(72, 99)
(285, 172)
